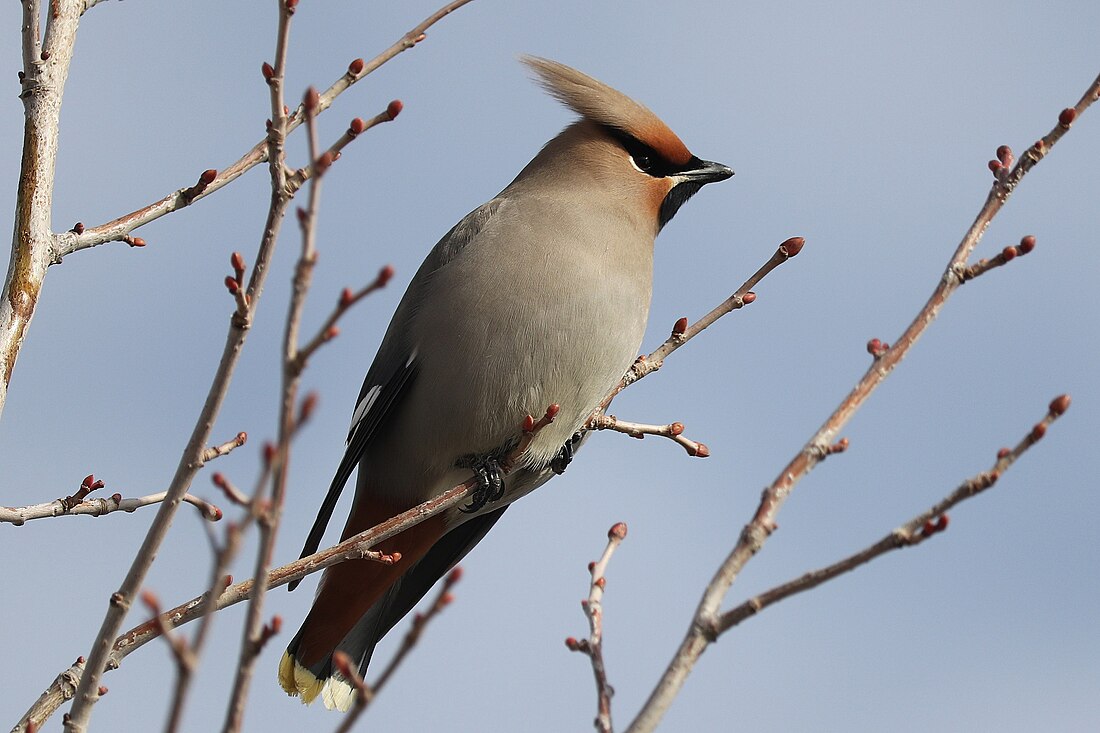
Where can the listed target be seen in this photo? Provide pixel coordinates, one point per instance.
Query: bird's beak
(705, 171)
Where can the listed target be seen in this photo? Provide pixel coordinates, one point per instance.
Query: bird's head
(623, 143)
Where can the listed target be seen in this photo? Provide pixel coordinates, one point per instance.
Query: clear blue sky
(864, 127)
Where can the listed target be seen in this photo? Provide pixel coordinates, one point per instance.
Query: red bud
(617, 531)
(1027, 244)
(88, 481)
(995, 166)
(356, 67)
(1003, 453)
(384, 276)
(553, 410)
(676, 428)
(680, 326)
(207, 177)
(1009, 253)
(311, 100)
(748, 297)
(1067, 116)
(231, 284)
(792, 246)
(78, 227)
(267, 70)
(236, 261)
(357, 126)
(1038, 432)
(702, 451)
(136, 242)
(394, 108)
(1059, 404)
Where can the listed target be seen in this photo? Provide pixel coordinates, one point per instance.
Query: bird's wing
(395, 366)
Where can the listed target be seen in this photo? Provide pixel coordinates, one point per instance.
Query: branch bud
(268, 71)
(1067, 116)
(394, 108)
(792, 246)
(617, 531)
(1027, 244)
(311, 100)
(384, 276)
(355, 68)
(1059, 404)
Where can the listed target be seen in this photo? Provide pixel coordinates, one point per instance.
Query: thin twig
(672, 431)
(117, 229)
(267, 518)
(420, 621)
(756, 532)
(592, 647)
(918, 529)
(356, 547)
(216, 451)
(682, 333)
(99, 507)
(357, 127)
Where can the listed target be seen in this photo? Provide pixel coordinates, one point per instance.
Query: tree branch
(756, 532)
(918, 529)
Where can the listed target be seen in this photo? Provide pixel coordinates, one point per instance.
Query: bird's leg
(565, 455)
(490, 480)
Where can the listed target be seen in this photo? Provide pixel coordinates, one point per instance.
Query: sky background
(864, 127)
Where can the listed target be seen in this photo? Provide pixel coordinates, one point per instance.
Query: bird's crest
(598, 102)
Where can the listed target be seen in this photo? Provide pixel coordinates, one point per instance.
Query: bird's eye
(642, 162)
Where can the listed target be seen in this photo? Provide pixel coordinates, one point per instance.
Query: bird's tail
(379, 602)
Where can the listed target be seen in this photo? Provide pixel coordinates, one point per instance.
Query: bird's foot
(490, 481)
(565, 455)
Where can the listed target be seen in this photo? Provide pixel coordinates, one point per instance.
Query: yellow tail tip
(297, 680)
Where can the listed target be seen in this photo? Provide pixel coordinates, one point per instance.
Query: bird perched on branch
(538, 297)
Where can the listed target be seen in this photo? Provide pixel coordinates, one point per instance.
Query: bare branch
(77, 505)
(45, 71)
(755, 533)
(62, 689)
(682, 333)
(593, 611)
(216, 451)
(357, 547)
(420, 621)
(673, 431)
(115, 230)
(918, 529)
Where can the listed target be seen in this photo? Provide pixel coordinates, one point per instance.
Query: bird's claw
(490, 482)
(565, 455)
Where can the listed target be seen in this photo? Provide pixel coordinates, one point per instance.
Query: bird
(538, 297)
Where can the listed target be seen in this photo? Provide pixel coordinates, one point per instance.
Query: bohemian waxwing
(539, 296)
